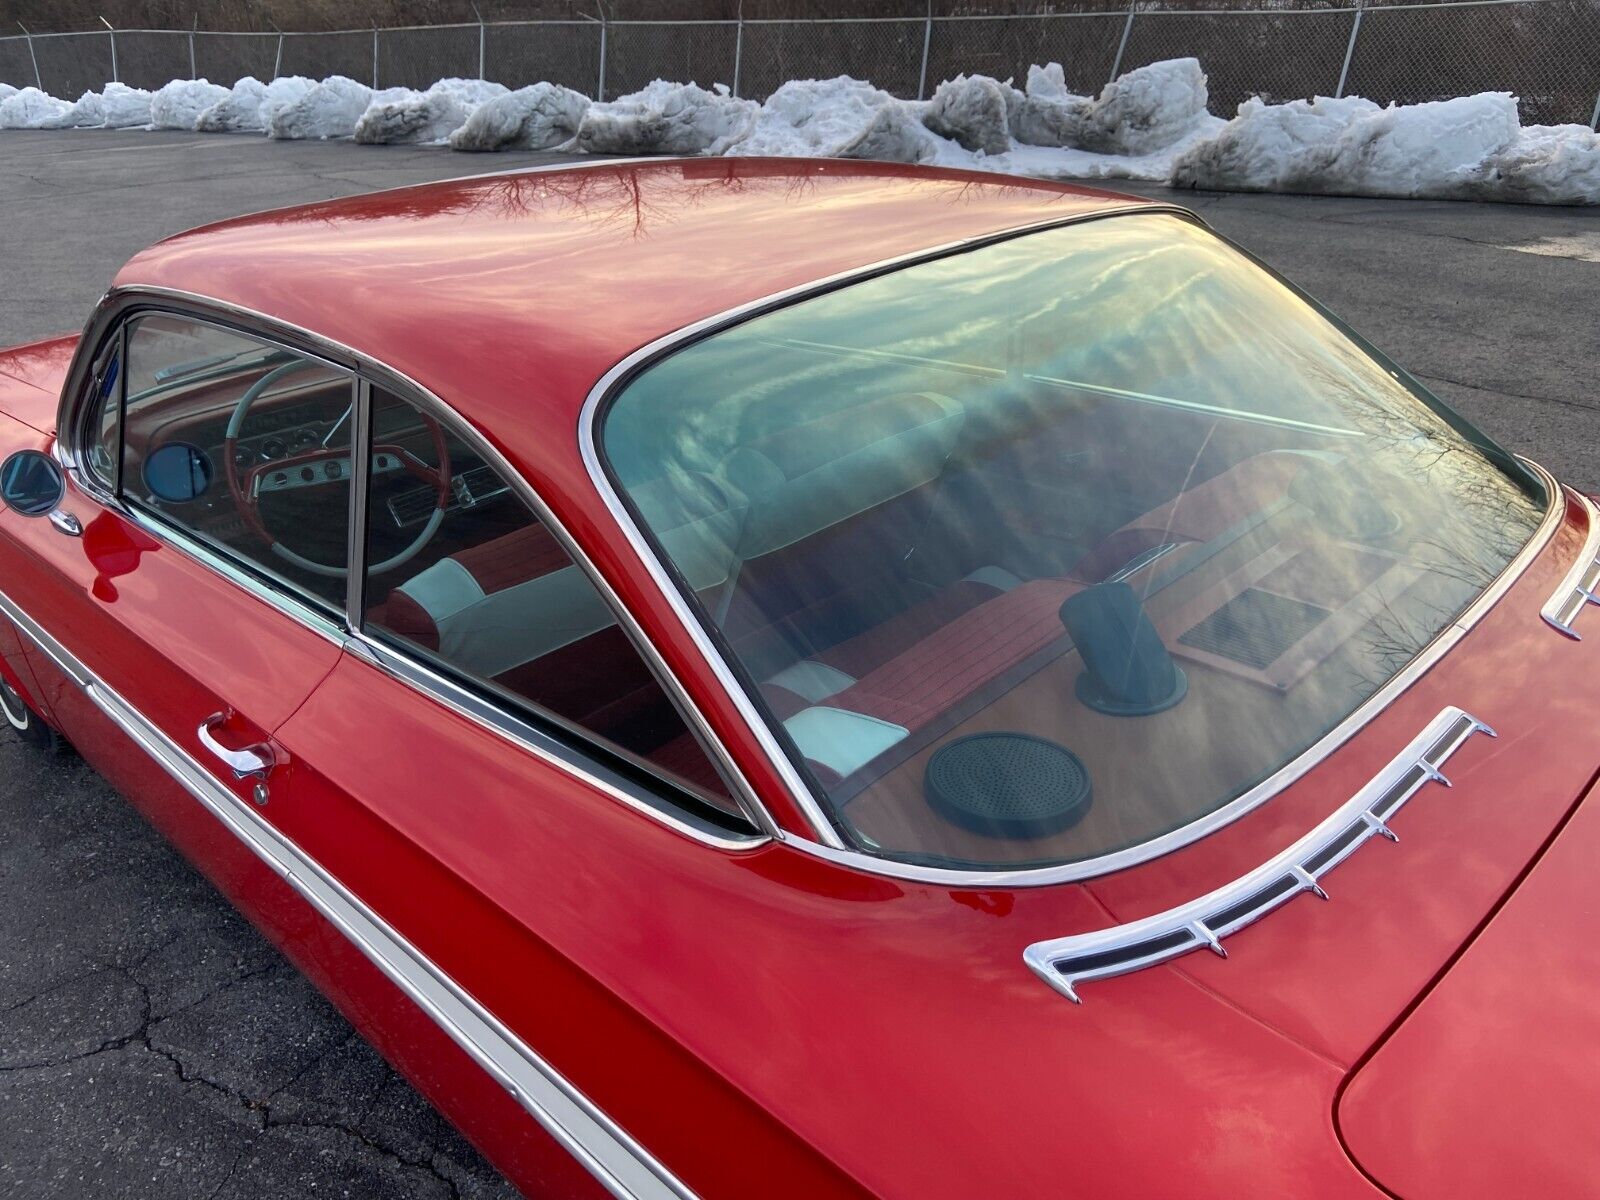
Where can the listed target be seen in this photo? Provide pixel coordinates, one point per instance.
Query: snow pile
(1148, 124)
(1472, 146)
(532, 118)
(1547, 164)
(1148, 109)
(667, 118)
(32, 109)
(124, 107)
(974, 112)
(430, 116)
(837, 118)
(329, 109)
(178, 105)
(251, 105)
(1047, 114)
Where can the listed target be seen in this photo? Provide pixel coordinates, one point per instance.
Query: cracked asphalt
(152, 1044)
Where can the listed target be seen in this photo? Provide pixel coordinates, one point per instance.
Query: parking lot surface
(151, 1042)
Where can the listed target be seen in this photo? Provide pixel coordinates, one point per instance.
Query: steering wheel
(320, 467)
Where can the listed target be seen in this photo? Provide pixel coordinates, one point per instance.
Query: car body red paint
(762, 1020)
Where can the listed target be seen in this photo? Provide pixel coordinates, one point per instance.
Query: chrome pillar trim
(119, 300)
(827, 844)
(360, 475)
(616, 1160)
(1066, 962)
(1580, 587)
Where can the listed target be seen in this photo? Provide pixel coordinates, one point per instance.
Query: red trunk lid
(1491, 1086)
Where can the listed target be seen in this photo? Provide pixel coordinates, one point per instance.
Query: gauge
(273, 448)
(306, 436)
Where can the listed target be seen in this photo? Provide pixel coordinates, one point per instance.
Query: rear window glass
(1040, 551)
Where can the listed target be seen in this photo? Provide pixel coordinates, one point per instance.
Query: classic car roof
(510, 295)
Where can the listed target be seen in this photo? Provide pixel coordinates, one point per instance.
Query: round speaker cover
(1007, 785)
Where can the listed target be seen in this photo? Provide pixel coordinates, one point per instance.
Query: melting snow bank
(1469, 148)
(1150, 124)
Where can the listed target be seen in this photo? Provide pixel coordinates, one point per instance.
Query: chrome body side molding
(1202, 923)
(618, 1162)
(1581, 585)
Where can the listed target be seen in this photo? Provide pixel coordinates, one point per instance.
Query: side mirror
(31, 483)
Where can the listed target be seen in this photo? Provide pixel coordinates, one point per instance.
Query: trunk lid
(1490, 1086)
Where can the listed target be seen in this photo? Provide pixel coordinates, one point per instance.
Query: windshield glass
(1045, 549)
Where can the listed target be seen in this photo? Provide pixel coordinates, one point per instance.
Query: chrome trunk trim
(1581, 585)
(1202, 923)
(619, 1163)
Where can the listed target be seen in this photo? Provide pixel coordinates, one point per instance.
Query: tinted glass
(465, 573)
(1040, 551)
(243, 444)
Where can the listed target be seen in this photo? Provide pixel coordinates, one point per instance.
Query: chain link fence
(1545, 51)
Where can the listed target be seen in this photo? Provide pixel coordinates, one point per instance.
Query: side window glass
(458, 567)
(243, 444)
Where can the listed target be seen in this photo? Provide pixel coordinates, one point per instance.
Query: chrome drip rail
(1065, 962)
(1581, 586)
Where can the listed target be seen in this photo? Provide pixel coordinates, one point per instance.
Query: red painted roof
(510, 295)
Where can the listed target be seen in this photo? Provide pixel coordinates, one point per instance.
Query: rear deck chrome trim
(1202, 923)
(616, 1160)
(1581, 585)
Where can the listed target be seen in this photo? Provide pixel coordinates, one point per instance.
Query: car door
(153, 605)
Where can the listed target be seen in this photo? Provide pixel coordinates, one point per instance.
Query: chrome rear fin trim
(1581, 585)
(619, 1163)
(1065, 962)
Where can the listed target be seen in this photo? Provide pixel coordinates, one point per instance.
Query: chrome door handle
(66, 523)
(247, 762)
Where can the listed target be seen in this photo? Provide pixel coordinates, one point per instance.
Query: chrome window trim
(616, 1160)
(827, 844)
(499, 720)
(1580, 587)
(110, 313)
(1202, 923)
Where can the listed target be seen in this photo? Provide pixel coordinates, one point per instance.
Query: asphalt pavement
(152, 1044)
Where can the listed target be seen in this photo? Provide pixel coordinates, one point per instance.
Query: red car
(766, 678)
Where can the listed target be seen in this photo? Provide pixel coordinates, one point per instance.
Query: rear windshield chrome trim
(609, 384)
(1202, 923)
(616, 1160)
(1581, 585)
(827, 843)
(118, 302)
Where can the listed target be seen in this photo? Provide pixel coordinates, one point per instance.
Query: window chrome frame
(824, 841)
(122, 303)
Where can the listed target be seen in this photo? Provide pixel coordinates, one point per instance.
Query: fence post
(1127, 28)
(37, 82)
(927, 38)
(600, 89)
(738, 49)
(1349, 52)
(482, 38)
(374, 58)
(115, 78)
(193, 72)
(1594, 121)
(277, 59)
